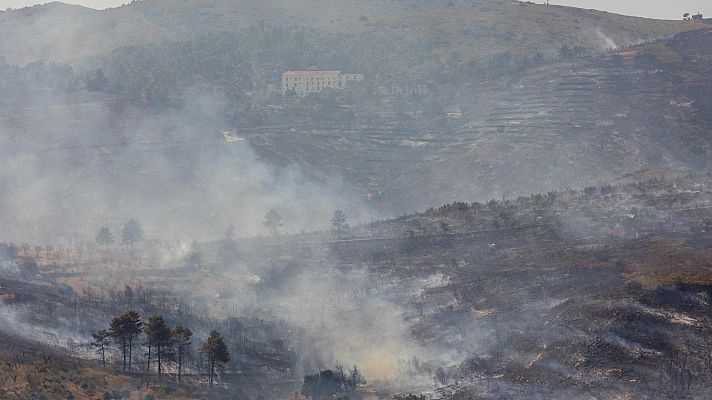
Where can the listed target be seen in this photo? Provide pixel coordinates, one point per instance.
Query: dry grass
(668, 261)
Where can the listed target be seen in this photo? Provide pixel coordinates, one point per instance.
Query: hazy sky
(670, 9)
(89, 3)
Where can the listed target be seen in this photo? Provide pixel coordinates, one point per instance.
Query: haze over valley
(354, 200)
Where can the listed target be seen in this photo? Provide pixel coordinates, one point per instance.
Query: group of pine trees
(273, 222)
(131, 233)
(163, 343)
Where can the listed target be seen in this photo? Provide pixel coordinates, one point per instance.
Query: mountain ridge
(34, 31)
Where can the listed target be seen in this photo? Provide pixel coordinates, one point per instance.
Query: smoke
(18, 320)
(86, 162)
(72, 163)
(337, 316)
(607, 42)
(353, 320)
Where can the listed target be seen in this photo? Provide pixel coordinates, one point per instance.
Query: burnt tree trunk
(212, 369)
(148, 364)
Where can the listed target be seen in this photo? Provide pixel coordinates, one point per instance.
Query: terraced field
(568, 124)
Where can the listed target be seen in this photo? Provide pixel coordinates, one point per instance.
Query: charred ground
(570, 294)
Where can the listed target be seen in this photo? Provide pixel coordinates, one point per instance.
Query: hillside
(566, 124)
(569, 123)
(565, 295)
(515, 202)
(34, 31)
(491, 27)
(561, 295)
(58, 32)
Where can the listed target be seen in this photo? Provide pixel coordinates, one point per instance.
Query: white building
(304, 82)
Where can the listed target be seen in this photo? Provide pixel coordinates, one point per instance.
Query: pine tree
(125, 328)
(181, 339)
(104, 237)
(215, 350)
(101, 342)
(158, 337)
(131, 233)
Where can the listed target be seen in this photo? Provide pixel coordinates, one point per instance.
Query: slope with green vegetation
(459, 34)
(541, 109)
(58, 32)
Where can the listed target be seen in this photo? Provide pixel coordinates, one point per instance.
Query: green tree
(125, 328)
(158, 338)
(215, 350)
(181, 339)
(104, 237)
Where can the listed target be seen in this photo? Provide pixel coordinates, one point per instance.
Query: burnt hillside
(599, 292)
(602, 292)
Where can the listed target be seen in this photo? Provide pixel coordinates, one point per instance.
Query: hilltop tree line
(27, 256)
(243, 63)
(163, 343)
(504, 213)
(250, 60)
(132, 232)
